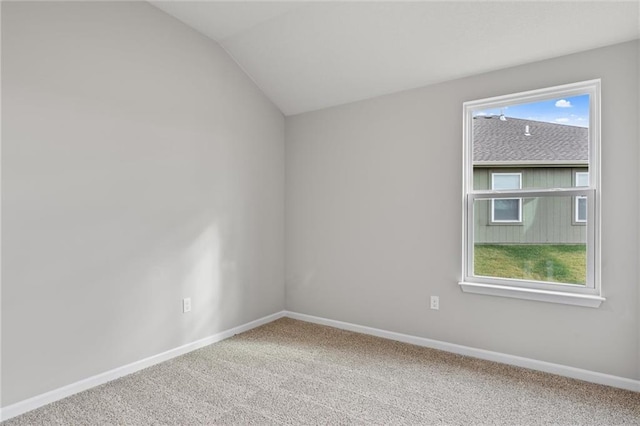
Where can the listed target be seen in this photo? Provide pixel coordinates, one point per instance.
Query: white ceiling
(311, 55)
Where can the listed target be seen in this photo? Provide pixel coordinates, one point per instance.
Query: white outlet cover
(186, 305)
(435, 302)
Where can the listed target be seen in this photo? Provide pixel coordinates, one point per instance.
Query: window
(550, 136)
(580, 209)
(506, 210)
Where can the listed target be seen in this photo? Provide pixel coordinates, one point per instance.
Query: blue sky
(572, 110)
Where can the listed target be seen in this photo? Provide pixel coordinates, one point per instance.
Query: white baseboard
(547, 367)
(99, 379)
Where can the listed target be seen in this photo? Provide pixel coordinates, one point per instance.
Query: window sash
(590, 287)
(530, 193)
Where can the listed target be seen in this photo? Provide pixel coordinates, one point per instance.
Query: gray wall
(140, 165)
(373, 208)
(545, 220)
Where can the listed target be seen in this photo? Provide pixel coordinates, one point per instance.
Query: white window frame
(576, 217)
(590, 294)
(493, 210)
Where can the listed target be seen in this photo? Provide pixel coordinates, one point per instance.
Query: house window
(580, 204)
(547, 133)
(507, 210)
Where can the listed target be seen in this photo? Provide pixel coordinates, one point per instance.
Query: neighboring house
(511, 153)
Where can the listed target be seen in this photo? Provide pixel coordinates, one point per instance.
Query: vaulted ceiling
(311, 55)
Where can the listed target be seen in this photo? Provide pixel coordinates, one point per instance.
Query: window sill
(588, 300)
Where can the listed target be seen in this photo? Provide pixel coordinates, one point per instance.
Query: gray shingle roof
(495, 140)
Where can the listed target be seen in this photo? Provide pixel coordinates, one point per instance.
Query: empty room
(320, 212)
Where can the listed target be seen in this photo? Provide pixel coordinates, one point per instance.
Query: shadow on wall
(195, 261)
(128, 282)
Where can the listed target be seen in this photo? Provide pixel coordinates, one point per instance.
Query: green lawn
(565, 263)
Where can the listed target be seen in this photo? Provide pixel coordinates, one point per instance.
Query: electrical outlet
(435, 302)
(186, 305)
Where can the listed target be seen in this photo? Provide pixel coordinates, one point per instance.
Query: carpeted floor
(293, 372)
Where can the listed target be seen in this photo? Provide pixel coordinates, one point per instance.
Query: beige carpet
(292, 372)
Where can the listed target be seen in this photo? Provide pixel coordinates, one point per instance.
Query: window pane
(550, 138)
(582, 179)
(581, 209)
(506, 181)
(546, 246)
(506, 210)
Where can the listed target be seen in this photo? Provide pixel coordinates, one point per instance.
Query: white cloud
(481, 113)
(562, 120)
(563, 103)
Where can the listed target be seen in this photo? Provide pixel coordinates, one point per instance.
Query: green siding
(547, 220)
